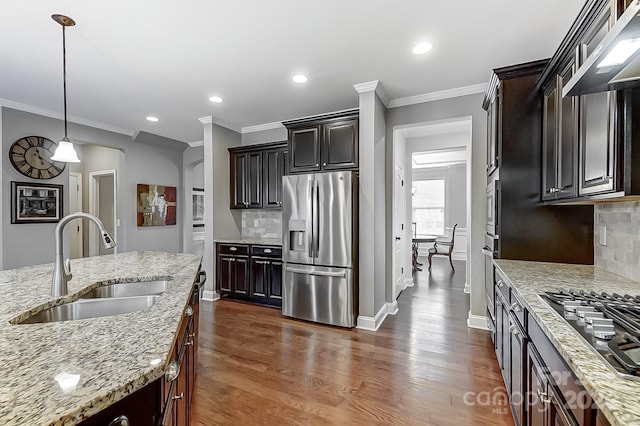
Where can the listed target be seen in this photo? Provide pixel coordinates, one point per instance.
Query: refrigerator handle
(337, 274)
(310, 223)
(316, 231)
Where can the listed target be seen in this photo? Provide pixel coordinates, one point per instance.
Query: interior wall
(265, 136)
(31, 244)
(106, 211)
(462, 106)
(193, 177)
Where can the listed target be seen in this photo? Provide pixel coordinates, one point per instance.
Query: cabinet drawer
(518, 310)
(233, 249)
(502, 285)
(268, 251)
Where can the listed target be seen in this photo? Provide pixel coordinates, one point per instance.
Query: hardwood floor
(423, 367)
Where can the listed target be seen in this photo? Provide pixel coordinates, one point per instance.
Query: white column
(207, 261)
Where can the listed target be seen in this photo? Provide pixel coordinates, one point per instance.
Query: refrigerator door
(297, 218)
(319, 294)
(333, 236)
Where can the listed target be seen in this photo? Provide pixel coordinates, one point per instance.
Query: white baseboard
(392, 308)
(467, 287)
(210, 295)
(372, 323)
(408, 282)
(477, 321)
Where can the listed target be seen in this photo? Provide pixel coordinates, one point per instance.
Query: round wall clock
(31, 156)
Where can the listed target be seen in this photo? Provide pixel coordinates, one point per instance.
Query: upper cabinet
(323, 143)
(587, 140)
(256, 176)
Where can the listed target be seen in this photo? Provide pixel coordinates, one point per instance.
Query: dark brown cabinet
(493, 107)
(250, 272)
(256, 172)
(323, 143)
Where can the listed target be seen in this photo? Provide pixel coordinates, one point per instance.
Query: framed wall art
(36, 202)
(157, 205)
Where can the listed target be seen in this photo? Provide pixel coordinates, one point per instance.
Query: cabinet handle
(173, 371)
(119, 421)
(189, 311)
(233, 249)
(267, 250)
(500, 283)
(544, 397)
(176, 397)
(498, 303)
(514, 330)
(189, 343)
(317, 165)
(516, 307)
(193, 335)
(553, 190)
(324, 164)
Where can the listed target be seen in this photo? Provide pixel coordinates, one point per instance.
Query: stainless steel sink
(92, 308)
(138, 288)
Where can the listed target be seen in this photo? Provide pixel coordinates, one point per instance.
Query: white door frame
(79, 199)
(94, 196)
(399, 263)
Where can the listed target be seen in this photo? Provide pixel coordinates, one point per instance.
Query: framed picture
(157, 205)
(198, 207)
(36, 202)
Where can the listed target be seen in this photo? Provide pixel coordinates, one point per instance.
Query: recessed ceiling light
(215, 99)
(422, 48)
(299, 78)
(152, 118)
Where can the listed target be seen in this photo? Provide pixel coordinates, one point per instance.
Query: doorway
(438, 135)
(102, 204)
(399, 234)
(74, 229)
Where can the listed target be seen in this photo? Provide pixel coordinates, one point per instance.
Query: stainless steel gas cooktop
(610, 323)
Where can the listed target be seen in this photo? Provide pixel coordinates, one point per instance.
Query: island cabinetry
(256, 172)
(250, 272)
(323, 143)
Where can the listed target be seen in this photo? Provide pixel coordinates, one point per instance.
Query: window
(428, 206)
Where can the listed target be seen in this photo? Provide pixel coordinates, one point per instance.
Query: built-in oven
(490, 251)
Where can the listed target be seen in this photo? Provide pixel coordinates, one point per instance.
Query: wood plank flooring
(423, 367)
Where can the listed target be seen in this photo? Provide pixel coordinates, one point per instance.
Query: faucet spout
(61, 269)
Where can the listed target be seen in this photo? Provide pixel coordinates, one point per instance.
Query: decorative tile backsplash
(621, 222)
(262, 223)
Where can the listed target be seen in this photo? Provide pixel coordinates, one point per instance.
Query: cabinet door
(254, 180)
(259, 277)
(567, 149)
(537, 397)
(226, 273)
(597, 122)
(506, 348)
(492, 134)
(549, 145)
(237, 181)
(500, 325)
(273, 170)
(275, 280)
(340, 145)
(241, 278)
(517, 375)
(304, 149)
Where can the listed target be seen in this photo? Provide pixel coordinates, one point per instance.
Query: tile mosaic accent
(621, 223)
(262, 223)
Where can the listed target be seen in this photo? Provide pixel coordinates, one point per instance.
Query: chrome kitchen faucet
(62, 269)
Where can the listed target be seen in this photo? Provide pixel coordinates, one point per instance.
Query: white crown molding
(262, 127)
(206, 120)
(437, 96)
(195, 144)
(59, 116)
(373, 86)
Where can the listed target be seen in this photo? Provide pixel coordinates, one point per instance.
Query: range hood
(615, 63)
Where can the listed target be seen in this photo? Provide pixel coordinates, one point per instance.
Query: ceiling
(127, 59)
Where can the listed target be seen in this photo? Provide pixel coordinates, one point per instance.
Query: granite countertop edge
(113, 356)
(267, 241)
(609, 391)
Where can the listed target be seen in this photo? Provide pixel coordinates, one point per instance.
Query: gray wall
(34, 243)
(265, 136)
(441, 110)
(226, 223)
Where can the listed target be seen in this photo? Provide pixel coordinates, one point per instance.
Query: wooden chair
(443, 247)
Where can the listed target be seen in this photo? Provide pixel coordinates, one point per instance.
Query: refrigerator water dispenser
(297, 231)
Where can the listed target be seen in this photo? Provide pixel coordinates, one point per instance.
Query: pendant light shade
(65, 151)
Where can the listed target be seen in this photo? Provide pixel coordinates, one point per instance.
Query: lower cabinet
(253, 273)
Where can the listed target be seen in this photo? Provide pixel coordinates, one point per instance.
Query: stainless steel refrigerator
(320, 247)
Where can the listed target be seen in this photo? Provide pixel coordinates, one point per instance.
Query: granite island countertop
(108, 357)
(250, 240)
(615, 396)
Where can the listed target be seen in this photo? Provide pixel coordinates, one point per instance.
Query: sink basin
(138, 288)
(91, 308)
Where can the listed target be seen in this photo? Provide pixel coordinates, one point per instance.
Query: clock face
(31, 156)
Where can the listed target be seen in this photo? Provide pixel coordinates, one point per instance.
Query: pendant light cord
(64, 80)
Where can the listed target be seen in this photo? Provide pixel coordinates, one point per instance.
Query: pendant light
(65, 151)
